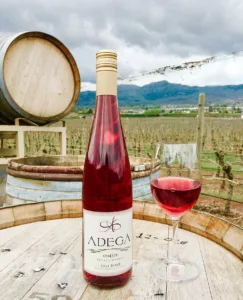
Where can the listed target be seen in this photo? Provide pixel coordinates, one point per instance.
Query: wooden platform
(31, 244)
(17, 133)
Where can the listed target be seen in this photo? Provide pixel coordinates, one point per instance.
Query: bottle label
(107, 242)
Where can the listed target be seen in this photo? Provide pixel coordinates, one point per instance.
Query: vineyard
(221, 160)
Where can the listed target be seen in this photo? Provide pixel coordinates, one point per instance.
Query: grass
(209, 162)
(149, 114)
(237, 196)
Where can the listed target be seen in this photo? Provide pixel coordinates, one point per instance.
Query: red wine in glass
(175, 195)
(175, 180)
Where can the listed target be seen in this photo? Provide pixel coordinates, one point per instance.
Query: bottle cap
(106, 60)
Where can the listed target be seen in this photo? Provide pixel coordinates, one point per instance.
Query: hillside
(164, 92)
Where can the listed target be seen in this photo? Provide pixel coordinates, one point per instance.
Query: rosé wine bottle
(107, 187)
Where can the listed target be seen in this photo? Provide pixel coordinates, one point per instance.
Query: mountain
(179, 84)
(214, 70)
(164, 92)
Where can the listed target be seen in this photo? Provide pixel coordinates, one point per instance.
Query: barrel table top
(36, 257)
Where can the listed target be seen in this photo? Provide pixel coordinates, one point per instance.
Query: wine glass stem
(172, 254)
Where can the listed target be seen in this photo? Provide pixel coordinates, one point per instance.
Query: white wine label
(107, 242)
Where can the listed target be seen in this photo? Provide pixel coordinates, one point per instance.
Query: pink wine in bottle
(107, 187)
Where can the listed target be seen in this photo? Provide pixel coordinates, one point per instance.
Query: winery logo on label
(113, 225)
(110, 239)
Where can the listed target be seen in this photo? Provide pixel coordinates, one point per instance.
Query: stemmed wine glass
(175, 181)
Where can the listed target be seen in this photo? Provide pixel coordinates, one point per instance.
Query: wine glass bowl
(175, 181)
(175, 195)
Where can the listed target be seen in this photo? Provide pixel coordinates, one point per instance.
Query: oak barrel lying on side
(39, 78)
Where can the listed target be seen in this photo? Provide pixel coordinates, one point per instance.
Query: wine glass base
(176, 271)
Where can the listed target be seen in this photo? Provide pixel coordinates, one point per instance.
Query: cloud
(146, 34)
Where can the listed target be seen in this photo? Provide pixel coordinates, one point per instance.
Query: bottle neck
(106, 82)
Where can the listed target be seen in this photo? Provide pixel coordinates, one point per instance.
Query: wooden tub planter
(37, 179)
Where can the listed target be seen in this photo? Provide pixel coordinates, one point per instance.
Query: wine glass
(175, 181)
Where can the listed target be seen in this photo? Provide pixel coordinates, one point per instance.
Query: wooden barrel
(37, 179)
(43, 260)
(39, 78)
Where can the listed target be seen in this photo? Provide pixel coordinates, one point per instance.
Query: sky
(147, 34)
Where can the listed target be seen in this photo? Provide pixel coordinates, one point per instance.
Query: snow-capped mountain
(220, 78)
(216, 70)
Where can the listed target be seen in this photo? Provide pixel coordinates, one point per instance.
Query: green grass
(149, 115)
(138, 115)
(215, 189)
(208, 165)
(237, 196)
(222, 115)
(179, 115)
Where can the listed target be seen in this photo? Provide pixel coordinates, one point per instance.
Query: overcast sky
(147, 34)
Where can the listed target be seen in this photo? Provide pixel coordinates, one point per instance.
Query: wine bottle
(107, 187)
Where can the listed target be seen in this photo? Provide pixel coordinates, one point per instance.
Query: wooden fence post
(201, 104)
(20, 142)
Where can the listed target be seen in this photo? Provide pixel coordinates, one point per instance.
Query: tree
(224, 110)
